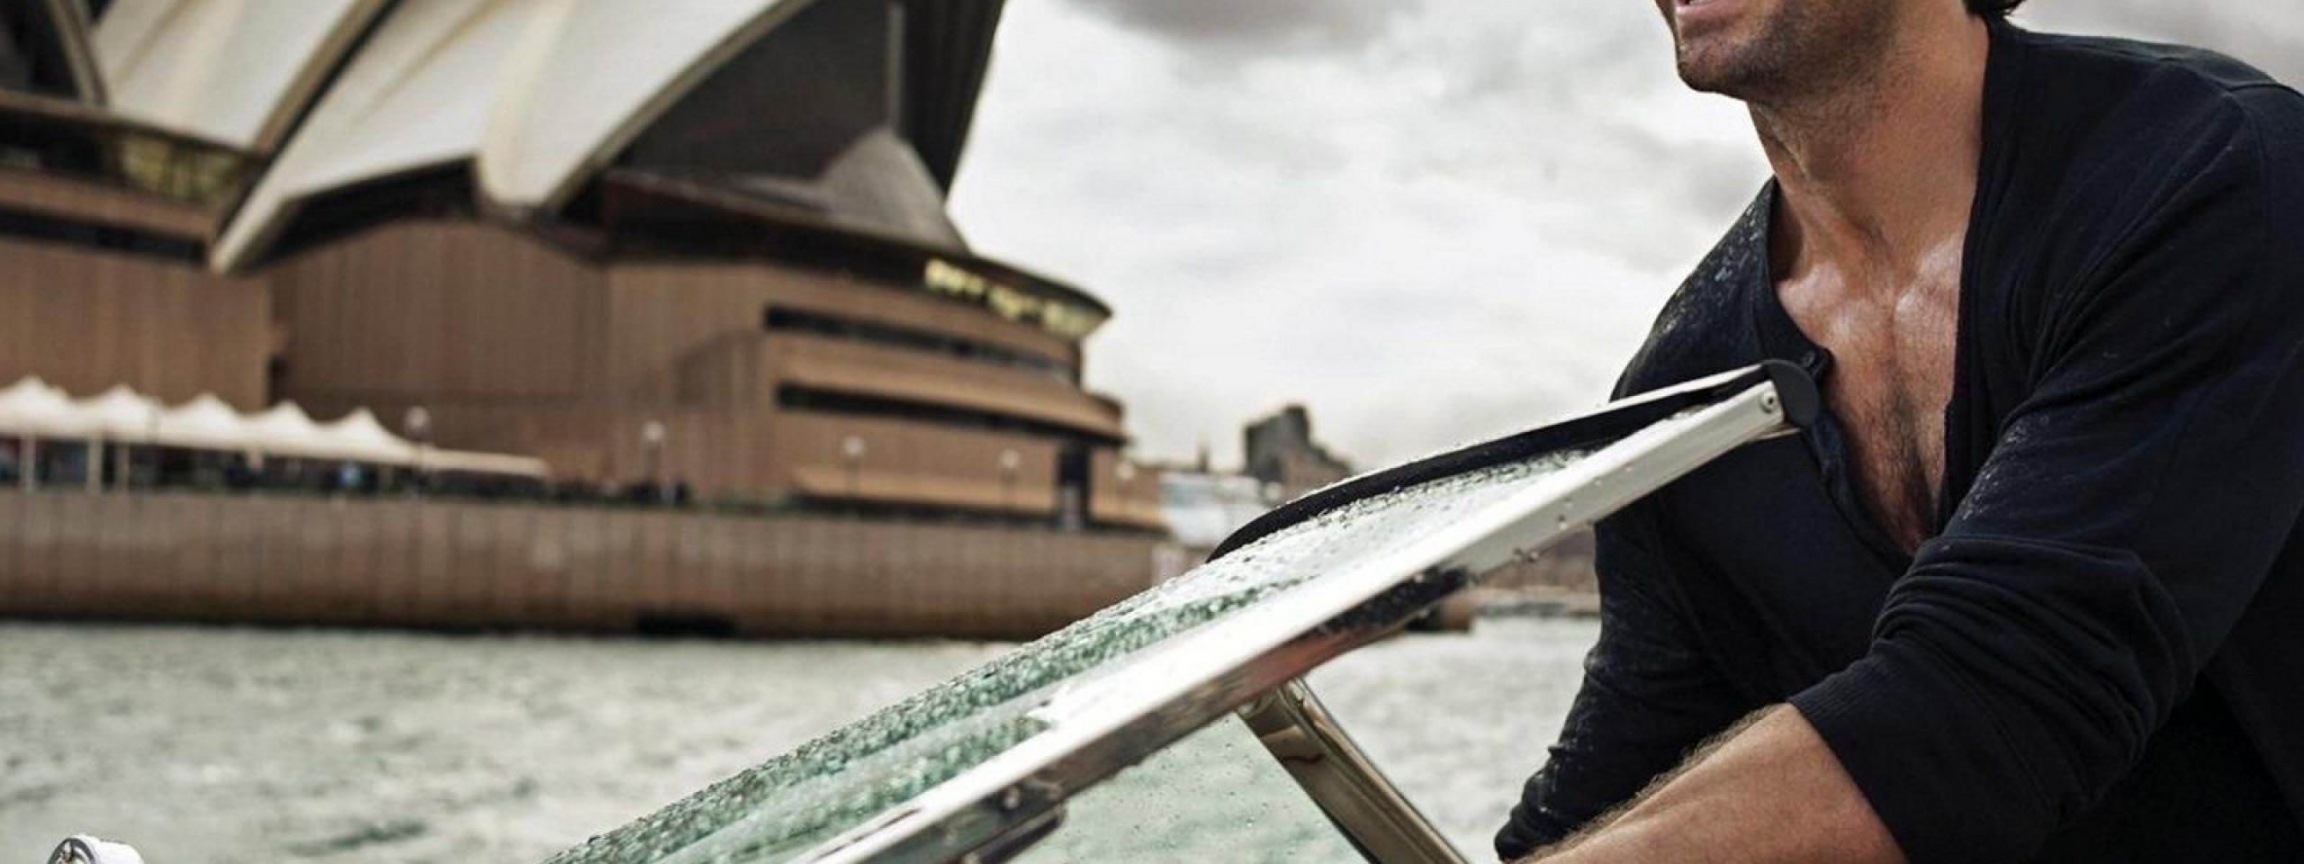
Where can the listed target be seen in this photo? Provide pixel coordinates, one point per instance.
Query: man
(2034, 588)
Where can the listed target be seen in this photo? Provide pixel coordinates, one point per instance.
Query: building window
(815, 401)
(788, 320)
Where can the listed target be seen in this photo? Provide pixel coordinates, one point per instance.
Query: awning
(287, 431)
(205, 423)
(120, 414)
(494, 464)
(359, 433)
(31, 408)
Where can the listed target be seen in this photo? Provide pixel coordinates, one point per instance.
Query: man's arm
(1649, 694)
(1768, 790)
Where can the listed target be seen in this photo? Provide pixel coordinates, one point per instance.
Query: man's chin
(1706, 77)
(1716, 69)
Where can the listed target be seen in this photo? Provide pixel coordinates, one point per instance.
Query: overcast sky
(1431, 221)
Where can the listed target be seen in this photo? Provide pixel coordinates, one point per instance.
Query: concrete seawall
(454, 565)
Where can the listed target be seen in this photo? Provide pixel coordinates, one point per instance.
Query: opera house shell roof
(540, 97)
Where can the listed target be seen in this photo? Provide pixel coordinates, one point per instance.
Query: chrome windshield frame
(1145, 703)
(1350, 790)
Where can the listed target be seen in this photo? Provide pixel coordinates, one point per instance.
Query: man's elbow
(1979, 726)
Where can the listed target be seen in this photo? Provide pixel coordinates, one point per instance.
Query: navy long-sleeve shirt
(2099, 655)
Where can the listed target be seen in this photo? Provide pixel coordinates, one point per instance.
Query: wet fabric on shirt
(2099, 654)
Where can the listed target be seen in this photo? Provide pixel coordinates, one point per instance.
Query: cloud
(1257, 25)
(1461, 230)
(1454, 219)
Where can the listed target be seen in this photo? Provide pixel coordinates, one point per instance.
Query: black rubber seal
(1794, 390)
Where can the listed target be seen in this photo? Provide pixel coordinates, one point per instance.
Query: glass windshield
(792, 803)
(1458, 721)
(1215, 796)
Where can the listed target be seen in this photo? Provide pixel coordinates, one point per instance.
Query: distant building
(707, 247)
(1202, 505)
(1280, 451)
(1202, 508)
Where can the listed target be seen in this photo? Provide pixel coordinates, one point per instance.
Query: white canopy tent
(33, 410)
(205, 423)
(120, 414)
(30, 408)
(286, 430)
(493, 464)
(359, 432)
(116, 416)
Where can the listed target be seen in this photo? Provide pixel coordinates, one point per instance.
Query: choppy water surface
(211, 746)
(796, 801)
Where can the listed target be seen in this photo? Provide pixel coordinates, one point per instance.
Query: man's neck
(1875, 167)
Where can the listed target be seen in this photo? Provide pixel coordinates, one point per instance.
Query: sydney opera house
(674, 244)
(679, 241)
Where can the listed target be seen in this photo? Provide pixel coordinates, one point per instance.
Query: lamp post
(152, 447)
(852, 455)
(1010, 460)
(92, 465)
(1127, 474)
(652, 453)
(418, 422)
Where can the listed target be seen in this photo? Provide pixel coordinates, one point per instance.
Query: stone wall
(449, 565)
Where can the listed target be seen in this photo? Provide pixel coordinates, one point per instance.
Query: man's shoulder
(2208, 72)
(1703, 327)
(2115, 138)
(2134, 93)
(2115, 163)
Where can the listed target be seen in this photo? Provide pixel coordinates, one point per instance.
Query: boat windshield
(1214, 796)
(981, 762)
(782, 809)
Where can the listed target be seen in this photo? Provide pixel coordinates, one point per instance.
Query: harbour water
(216, 745)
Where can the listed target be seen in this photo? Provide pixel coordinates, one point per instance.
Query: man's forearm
(1772, 793)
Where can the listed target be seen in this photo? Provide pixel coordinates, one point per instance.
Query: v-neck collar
(1781, 338)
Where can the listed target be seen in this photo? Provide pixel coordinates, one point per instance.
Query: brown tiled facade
(512, 345)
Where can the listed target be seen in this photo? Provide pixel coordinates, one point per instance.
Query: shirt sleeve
(1649, 695)
(2129, 510)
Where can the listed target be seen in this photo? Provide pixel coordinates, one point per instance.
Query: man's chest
(1893, 338)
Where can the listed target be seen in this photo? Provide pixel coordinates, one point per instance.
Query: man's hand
(1772, 792)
